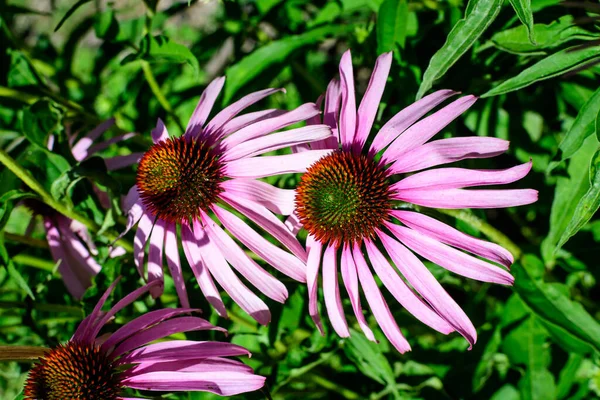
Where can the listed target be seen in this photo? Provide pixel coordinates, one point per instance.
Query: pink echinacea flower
(347, 202)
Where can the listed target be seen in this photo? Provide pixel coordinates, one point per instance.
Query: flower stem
(26, 240)
(34, 262)
(21, 353)
(47, 198)
(155, 87)
(485, 228)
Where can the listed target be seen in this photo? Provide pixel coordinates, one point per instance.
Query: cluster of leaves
(534, 63)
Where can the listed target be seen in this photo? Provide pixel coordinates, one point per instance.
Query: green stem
(26, 240)
(155, 87)
(327, 384)
(47, 198)
(35, 262)
(485, 228)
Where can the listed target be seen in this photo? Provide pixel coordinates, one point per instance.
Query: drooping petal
(179, 350)
(243, 121)
(221, 271)
(159, 133)
(140, 240)
(174, 263)
(118, 162)
(205, 281)
(276, 141)
(83, 331)
(405, 118)
(278, 258)
(462, 198)
(331, 293)
(446, 151)
(104, 145)
(261, 167)
(228, 384)
(417, 274)
(132, 205)
(312, 275)
(401, 292)
(456, 178)
(350, 278)
(446, 234)
(450, 258)
(377, 303)
(280, 201)
(207, 100)
(211, 364)
(293, 223)
(155, 257)
(367, 111)
(347, 127)
(268, 221)
(249, 269)
(270, 125)
(80, 149)
(229, 112)
(425, 129)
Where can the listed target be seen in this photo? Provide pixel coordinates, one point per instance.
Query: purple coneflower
(191, 180)
(346, 203)
(96, 367)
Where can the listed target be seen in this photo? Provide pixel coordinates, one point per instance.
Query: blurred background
(66, 66)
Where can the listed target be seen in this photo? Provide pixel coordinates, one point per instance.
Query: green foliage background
(70, 65)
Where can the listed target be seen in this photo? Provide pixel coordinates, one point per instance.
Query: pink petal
(269, 222)
(267, 126)
(427, 128)
(174, 263)
(159, 133)
(249, 269)
(104, 145)
(243, 121)
(331, 292)
(449, 258)
(405, 296)
(405, 118)
(140, 240)
(211, 364)
(446, 234)
(461, 198)
(225, 115)
(348, 110)
(180, 350)
(162, 330)
(205, 281)
(221, 271)
(293, 223)
(424, 282)
(206, 103)
(132, 205)
(367, 111)
(140, 323)
(279, 201)
(351, 282)
(261, 167)
(228, 384)
(80, 149)
(155, 256)
(377, 303)
(276, 141)
(278, 258)
(456, 178)
(118, 162)
(312, 276)
(446, 151)
(83, 331)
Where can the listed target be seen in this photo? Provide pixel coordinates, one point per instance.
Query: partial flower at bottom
(94, 367)
(348, 202)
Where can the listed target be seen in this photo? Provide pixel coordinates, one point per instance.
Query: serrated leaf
(523, 10)
(583, 126)
(549, 67)
(587, 205)
(480, 14)
(70, 12)
(569, 190)
(391, 25)
(271, 54)
(550, 303)
(162, 49)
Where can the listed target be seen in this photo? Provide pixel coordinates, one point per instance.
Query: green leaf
(550, 303)
(93, 168)
(367, 356)
(554, 65)
(583, 126)
(568, 375)
(7, 203)
(480, 14)
(14, 274)
(587, 205)
(547, 36)
(160, 48)
(40, 120)
(269, 55)
(569, 190)
(485, 366)
(523, 10)
(567, 341)
(392, 21)
(106, 25)
(21, 73)
(506, 392)
(70, 12)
